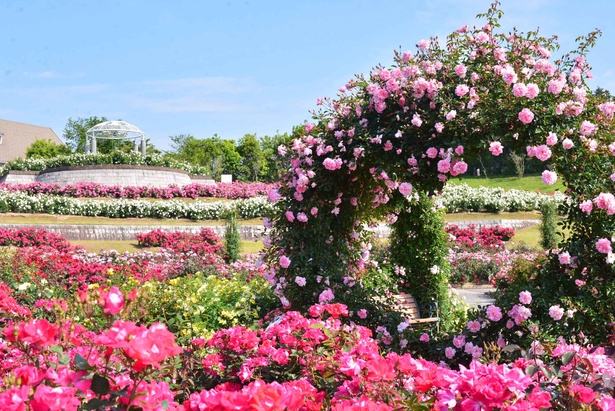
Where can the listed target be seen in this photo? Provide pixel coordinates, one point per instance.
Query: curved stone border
(246, 232)
(111, 167)
(129, 233)
(116, 174)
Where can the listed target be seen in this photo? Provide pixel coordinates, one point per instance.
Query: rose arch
(389, 141)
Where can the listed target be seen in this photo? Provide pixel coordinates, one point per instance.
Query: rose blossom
(494, 313)
(424, 337)
(473, 326)
(405, 189)
(549, 177)
(567, 144)
(284, 262)
(564, 258)
(495, 147)
(450, 352)
(551, 139)
(525, 297)
(451, 114)
(556, 312)
(543, 152)
(300, 281)
(526, 116)
(603, 246)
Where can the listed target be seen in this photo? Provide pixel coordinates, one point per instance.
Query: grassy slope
(528, 183)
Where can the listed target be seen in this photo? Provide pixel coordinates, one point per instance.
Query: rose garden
(312, 323)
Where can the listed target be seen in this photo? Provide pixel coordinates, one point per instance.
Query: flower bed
(198, 210)
(116, 157)
(236, 190)
(100, 331)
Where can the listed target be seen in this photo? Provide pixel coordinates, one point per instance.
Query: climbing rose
(567, 144)
(525, 297)
(556, 312)
(300, 281)
(526, 116)
(405, 189)
(551, 139)
(284, 262)
(603, 246)
(494, 313)
(495, 147)
(326, 296)
(549, 177)
(543, 152)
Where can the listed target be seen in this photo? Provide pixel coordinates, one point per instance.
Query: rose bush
(392, 138)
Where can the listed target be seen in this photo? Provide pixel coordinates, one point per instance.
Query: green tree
(75, 134)
(253, 161)
(274, 163)
(46, 149)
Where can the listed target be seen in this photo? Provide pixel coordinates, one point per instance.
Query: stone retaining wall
(121, 175)
(19, 177)
(115, 174)
(129, 233)
(246, 232)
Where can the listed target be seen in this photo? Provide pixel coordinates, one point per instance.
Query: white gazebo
(115, 130)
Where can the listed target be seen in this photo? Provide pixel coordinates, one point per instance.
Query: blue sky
(236, 66)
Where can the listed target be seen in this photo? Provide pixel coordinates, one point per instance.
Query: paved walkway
(475, 296)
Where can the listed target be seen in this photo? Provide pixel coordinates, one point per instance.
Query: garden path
(474, 296)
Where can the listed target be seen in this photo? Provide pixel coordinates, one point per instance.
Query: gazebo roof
(115, 129)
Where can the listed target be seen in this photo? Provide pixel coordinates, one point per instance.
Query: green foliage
(231, 238)
(75, 134)
(548, 227)
(274, 163)
(198, 305)
(114, 157)
(214, 155)
(253, 161)
(419, 245)
(46, 149)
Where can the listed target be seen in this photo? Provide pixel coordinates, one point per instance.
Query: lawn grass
(527, 183)
(94, 246)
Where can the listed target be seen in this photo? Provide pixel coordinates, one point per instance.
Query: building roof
(15, 138)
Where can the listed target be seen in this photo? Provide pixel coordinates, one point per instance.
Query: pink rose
(603, 246)
(424, 337)
(114, 301)
(451, 114)
(551, 139)
(549, 177)
(362, 313)
(525, 297)
(556, 312)
(543, 152)
(432, 152)
(444, 166)
(284, 262)
(526, 116)
(405, 189)
(564, 258)
(461, 70)
(586, 206)
(461, 90)
(460, 167)
(519, 90)
(567, 144)
(532, 91)
(473, 326)
(494, 313)
(495, 147)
